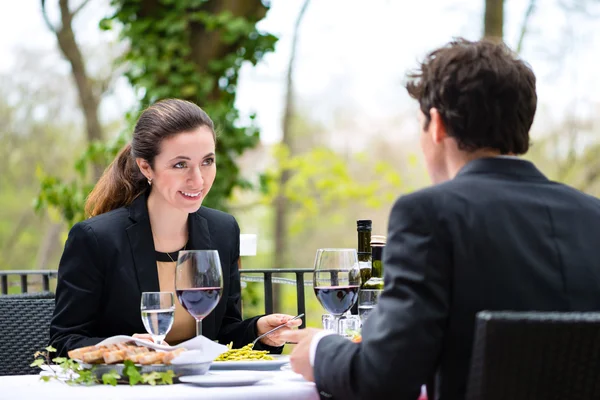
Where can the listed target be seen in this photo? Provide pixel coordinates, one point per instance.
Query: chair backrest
(34, 295)
(24, 329)
(535, 355)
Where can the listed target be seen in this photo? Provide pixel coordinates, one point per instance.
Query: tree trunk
(281, 203)
(70, 50)
(206, 45)
(494, 20)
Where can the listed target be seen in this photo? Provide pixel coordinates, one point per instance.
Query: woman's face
(184, 170)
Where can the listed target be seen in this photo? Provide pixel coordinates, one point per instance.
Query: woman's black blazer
(109, 260)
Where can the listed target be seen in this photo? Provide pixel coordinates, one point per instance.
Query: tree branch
(87, 98)
(45, 16)
(525, 24)
(289, 84)
(83, 4)
(281, 202)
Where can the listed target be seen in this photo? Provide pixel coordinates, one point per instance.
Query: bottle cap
(378, 240)
(364, 224)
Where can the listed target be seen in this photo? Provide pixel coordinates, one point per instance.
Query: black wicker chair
(535, 356)
(24, 329)
(34, 295)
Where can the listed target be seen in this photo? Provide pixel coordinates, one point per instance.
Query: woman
(145, 208)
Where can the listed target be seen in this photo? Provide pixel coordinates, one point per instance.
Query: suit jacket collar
(515, 167)
(142, 243)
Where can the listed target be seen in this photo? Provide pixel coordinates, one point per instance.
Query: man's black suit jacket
(109, 260)
(500, 236)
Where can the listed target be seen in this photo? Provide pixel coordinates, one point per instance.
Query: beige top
(184, 325)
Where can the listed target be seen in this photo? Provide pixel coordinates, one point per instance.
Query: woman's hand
(145, 336)
(268, 322)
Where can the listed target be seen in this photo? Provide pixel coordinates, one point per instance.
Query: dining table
(279, 384)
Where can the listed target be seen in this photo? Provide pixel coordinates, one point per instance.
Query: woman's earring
(150, 181)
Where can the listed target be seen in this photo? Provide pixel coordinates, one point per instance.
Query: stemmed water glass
(198, 283)
(158, 314)
(336, 281)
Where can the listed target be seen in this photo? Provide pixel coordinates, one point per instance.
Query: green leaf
(45, 378)
(86, 377)
(50, 349)
(37, 363)
(167, 377)
(132, 372)
(111, 378)
(151, 378)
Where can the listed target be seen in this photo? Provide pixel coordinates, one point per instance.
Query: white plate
(229, 378)
(289, 375)
(259, 365)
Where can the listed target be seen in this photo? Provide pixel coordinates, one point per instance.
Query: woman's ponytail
(118, 186)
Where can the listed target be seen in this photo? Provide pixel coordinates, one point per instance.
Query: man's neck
(169, 225)
(455, 162)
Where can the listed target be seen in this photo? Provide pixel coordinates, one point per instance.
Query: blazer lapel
(198, 231)
(142, 246)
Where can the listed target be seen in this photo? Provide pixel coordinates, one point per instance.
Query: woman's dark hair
(123, 181)
(485, 95)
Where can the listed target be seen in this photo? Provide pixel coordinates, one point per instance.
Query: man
(493, 233)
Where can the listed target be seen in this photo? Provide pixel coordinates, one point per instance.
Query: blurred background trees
(315, 130)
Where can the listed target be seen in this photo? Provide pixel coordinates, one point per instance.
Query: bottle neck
(364, 245)
(377, 255)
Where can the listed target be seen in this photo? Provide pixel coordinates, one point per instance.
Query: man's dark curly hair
(485, 95)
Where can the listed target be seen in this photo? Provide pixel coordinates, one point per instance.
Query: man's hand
(300, 357)
(271, 321)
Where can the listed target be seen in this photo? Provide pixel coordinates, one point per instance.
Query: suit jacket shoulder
(108, 223)
(217, 217)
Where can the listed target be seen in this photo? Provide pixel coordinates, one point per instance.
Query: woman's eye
(180, 165)
(209, 161)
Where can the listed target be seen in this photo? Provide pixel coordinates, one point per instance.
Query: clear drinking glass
(336, 280)
(367, 300)
(346, 323)
(158, 313)
(198, 283)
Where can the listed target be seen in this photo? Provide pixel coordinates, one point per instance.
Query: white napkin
(248, 244)
(200, 349)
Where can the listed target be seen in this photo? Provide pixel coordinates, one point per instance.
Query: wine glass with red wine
(198, 283)
(336, 281)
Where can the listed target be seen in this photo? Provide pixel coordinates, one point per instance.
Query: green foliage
(165, 61)
(177, 49)
(78, 375)
(69, 197)
(322, 181)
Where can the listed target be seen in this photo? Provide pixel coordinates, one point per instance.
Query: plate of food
(110, 357)
(246, 358)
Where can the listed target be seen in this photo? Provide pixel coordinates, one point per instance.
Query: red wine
(337, 299)
(199, 302)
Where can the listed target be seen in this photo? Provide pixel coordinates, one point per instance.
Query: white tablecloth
(284, 385)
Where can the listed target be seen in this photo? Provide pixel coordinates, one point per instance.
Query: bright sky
(353, 55)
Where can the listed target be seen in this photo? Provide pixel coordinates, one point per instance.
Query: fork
(273, 330)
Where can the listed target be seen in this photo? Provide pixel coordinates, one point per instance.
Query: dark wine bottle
(363, 228)
(376, 280)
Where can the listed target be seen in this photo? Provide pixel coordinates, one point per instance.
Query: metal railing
(24, 281)
(247, 275)
(269, 279)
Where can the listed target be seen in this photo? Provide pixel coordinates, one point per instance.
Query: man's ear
(437, 128)
(144, 167)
